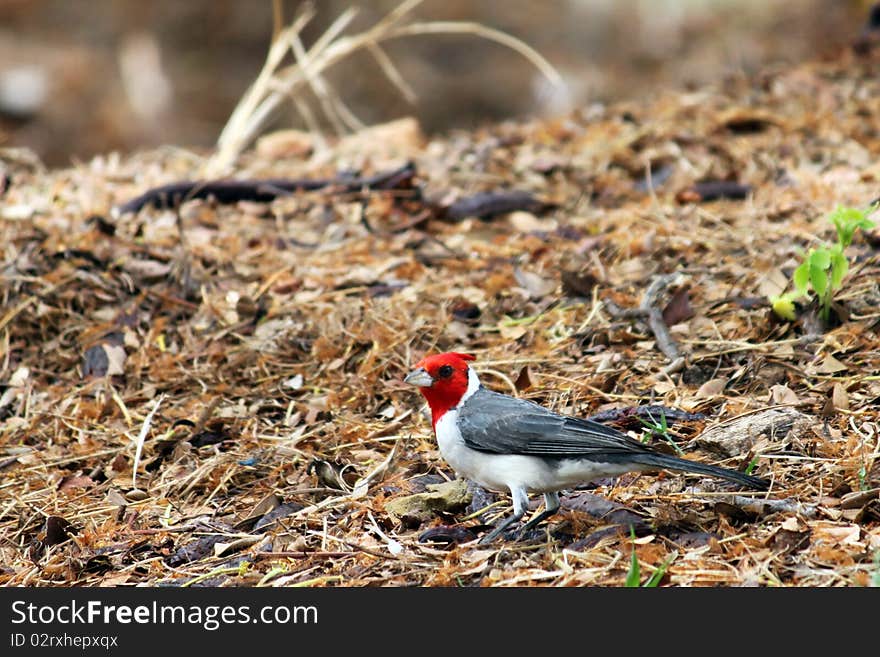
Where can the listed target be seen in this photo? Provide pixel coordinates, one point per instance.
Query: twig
(650, 311)
(261, 191)
(762, 506)
(302, 554)
(486, 205)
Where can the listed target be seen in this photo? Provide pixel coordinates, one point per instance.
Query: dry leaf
(662, 387)
(523, 382)
(780, 394)
(76, 481)
(829, 365)
(535, 285)
(711, 388)
(792, 524)
(839, 397)
(514, 332)
(679, 307)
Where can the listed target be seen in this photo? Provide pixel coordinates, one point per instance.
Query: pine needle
(142, 436)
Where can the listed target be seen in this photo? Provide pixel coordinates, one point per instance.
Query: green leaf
(820, 258)
(801, 277)
(658, 574)
(632, 578)
(839, 267)
(750, 468)
(818, 279)
(783, 306)
(847, 221)
(845, 216)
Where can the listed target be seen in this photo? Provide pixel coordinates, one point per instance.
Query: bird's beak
(420, 378)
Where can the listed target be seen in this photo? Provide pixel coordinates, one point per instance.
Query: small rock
(399, 138)
(285, 144)
(416, 509)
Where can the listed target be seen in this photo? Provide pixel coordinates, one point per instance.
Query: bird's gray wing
(495, 423)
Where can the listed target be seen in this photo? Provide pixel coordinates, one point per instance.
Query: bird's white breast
(494, 471)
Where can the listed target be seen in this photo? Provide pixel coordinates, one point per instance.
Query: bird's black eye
(445, 372)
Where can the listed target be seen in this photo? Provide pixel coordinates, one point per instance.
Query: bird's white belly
(507, 471)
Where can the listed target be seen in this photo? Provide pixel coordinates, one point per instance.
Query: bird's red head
(442, 380)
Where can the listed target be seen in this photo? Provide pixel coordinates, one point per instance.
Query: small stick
(775, 506)
(649, 310)
(486, 205)
(261, 191)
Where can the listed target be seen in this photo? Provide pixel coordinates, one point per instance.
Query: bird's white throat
(472, 387)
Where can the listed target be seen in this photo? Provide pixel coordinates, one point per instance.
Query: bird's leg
(520, 502)
(551, 506)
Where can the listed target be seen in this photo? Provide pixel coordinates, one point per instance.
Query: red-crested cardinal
(505, 443)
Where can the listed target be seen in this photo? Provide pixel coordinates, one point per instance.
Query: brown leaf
(526, 222)
(523, 382)
(194, 551)
(119, 464)
(451, 534)
(780, 394)
(276, 514)
(336, 475)
(56, 530)
(512, 332)
(104, 360)
(829, 365)
(578, 283)
(679, 307)
(146, 270)
(839, 397)
(602, 509)
(76, 481)
(711, 388)
(786, 541)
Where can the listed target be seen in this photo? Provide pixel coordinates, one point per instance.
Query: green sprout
(661, 428)
(824, 267)
(634, 574)
(657, 575)
(750, 468)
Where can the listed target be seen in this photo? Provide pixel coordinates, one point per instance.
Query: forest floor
(213, 394)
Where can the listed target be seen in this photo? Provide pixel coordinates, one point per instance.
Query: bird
(505, 443)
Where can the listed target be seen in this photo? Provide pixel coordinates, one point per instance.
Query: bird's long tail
(674, 463)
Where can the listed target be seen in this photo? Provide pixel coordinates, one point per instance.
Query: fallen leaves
(276, 332)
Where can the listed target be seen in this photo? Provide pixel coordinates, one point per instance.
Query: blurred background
(79, 78)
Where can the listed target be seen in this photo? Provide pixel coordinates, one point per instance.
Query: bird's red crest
(446, 358)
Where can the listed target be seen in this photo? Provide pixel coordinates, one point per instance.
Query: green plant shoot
(634, 575)
(824, 267)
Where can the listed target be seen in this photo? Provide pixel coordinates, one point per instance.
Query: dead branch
(262, 191)
(650, 311)
(762, 507)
